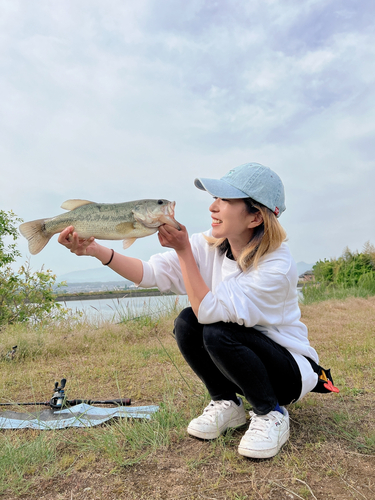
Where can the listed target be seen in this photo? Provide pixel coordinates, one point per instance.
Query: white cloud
(134, 99)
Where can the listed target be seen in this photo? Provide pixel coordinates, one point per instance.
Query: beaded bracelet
(110, 260)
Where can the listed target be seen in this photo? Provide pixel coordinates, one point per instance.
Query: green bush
(367, 282)
(348, 269)
(25, 295)
(351, 275)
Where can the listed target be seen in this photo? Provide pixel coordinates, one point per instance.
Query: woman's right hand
(69, 239)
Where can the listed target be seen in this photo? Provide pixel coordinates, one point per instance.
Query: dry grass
(330, 455)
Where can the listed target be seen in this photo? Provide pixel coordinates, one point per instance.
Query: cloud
(121, 100)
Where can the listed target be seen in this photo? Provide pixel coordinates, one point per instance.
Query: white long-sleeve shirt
(264, 297)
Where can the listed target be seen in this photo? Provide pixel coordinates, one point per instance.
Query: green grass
(22, 458)
(132, 458)
(126, 442)
(320, 292)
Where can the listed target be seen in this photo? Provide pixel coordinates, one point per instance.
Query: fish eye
(160, 202)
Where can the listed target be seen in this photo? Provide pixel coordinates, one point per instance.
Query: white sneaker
(216, 418)
(266, 435)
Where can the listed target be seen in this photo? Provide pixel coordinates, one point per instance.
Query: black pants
(230, 358)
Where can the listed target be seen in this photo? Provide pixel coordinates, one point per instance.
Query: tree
(24, 296)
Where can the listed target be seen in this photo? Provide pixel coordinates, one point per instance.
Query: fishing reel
(58, 399)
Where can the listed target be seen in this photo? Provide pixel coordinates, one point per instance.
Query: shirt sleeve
(163, 270)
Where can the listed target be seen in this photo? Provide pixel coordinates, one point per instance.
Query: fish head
(154, 213)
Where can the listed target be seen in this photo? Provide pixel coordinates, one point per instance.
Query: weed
(22, 460)
(322, 292)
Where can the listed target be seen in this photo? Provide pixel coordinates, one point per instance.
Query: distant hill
(302, 267)
(102, 274)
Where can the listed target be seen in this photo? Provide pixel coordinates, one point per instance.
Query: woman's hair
(267, 237)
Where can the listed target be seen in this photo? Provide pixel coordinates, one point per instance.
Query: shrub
(348, 269)
(351, 275)
(26, 295)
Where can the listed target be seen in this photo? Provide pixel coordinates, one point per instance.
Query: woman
(242, 333)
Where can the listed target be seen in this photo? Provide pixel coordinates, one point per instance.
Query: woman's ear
(256, 221)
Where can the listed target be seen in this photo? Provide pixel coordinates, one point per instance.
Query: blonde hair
(267, 237)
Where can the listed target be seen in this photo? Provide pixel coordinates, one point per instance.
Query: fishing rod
(59, 400)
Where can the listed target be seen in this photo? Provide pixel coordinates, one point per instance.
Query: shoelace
(261, 423)
(211, 410)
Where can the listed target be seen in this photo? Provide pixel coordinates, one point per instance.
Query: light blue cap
(250, 180)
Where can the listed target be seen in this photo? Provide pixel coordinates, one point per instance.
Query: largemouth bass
(105, 221)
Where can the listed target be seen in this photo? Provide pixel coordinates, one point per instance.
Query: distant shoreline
(68, 297)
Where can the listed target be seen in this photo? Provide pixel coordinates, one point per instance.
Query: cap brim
(219, 188)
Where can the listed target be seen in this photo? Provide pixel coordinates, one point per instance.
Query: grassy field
(330, 455)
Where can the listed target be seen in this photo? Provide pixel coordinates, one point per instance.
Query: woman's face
(231, 220)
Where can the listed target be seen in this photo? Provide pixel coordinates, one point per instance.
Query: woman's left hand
(173, 238)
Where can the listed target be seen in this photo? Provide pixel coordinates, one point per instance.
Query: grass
(312, 293)
(330, 455)
(22, 458)
(142, 310)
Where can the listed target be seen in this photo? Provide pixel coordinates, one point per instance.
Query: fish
(105, 221)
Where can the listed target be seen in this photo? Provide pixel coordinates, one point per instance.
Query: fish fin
(33, 232)
(128, 242)
(72, 204)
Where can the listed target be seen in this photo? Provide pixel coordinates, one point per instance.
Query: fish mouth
(168, 216)
(155, 217)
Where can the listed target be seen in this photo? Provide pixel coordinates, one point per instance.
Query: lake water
(126, 308)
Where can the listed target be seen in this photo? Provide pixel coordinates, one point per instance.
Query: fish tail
(34, 232)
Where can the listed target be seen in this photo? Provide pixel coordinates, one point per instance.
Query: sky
(121, 100)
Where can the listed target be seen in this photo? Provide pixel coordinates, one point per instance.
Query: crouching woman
(242, 334)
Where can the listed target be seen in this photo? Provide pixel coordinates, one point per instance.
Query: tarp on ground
(82, 415)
